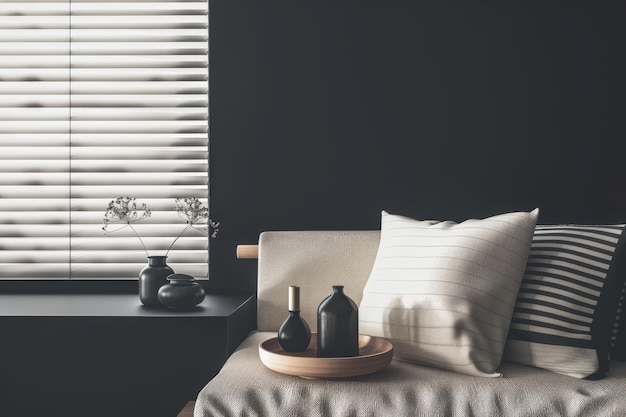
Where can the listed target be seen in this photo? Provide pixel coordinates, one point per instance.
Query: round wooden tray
(374, 355)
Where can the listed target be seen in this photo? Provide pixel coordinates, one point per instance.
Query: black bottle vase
(294, 333)
(337, 326)
(152, 277)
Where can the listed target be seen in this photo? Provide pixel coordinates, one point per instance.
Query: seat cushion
(245, 387)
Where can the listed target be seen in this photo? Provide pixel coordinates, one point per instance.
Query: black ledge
(114, 305)
(77, 286)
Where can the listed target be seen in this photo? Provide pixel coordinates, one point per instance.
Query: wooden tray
(374, 355)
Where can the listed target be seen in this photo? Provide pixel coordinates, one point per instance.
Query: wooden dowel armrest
(247, 251)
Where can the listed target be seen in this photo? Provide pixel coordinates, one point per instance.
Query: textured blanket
(245, 387)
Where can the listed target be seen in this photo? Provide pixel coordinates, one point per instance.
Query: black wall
(325, 112)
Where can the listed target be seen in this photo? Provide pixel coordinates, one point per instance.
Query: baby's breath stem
(140, 239)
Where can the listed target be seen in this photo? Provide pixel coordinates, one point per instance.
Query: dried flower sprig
(196, 216)
(124, 211)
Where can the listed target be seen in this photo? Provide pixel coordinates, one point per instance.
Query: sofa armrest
(247, 251)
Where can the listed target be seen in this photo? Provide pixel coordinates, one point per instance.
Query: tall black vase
(337, 326)
(294, 333)
(152, 277)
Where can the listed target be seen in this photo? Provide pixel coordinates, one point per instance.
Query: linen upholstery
(245, 387)
(443, 292)
(314, 261)
(566, 308)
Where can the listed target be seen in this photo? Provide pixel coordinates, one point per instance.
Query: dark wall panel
(325, 112)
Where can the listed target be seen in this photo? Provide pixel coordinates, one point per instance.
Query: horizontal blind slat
(133, 61)
(39, 208)
(40, 229)
(31, 74)
(140, 74)
(39, 114)
(145, 22)
(135, 114)
(34, 191)
(138, 165)
(36, 61)
(134, 87)
(119, 126)
(137, 35)
(142, 191)
(50, 9)
(34, 48)
(171, 140)
(34, 205)
(34, 88)
(104, 140)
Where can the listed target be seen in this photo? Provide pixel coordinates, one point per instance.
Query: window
(100, 100)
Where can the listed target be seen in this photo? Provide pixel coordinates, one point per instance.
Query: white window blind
(100, 100)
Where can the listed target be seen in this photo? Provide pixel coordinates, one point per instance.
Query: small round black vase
(337, 326)
(182, 293)
(294, 334)
(151, 278)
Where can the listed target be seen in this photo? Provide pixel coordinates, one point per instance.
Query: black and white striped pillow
(566, 308)
(618, 339)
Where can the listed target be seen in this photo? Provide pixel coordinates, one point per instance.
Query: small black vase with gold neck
(294, 334)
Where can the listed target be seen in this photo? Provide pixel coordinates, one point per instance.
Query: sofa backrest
(314, 261)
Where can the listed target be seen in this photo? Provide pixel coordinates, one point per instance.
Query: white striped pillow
(566, 308)
(443, 292)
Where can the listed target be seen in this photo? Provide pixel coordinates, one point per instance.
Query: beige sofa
(316, 260)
